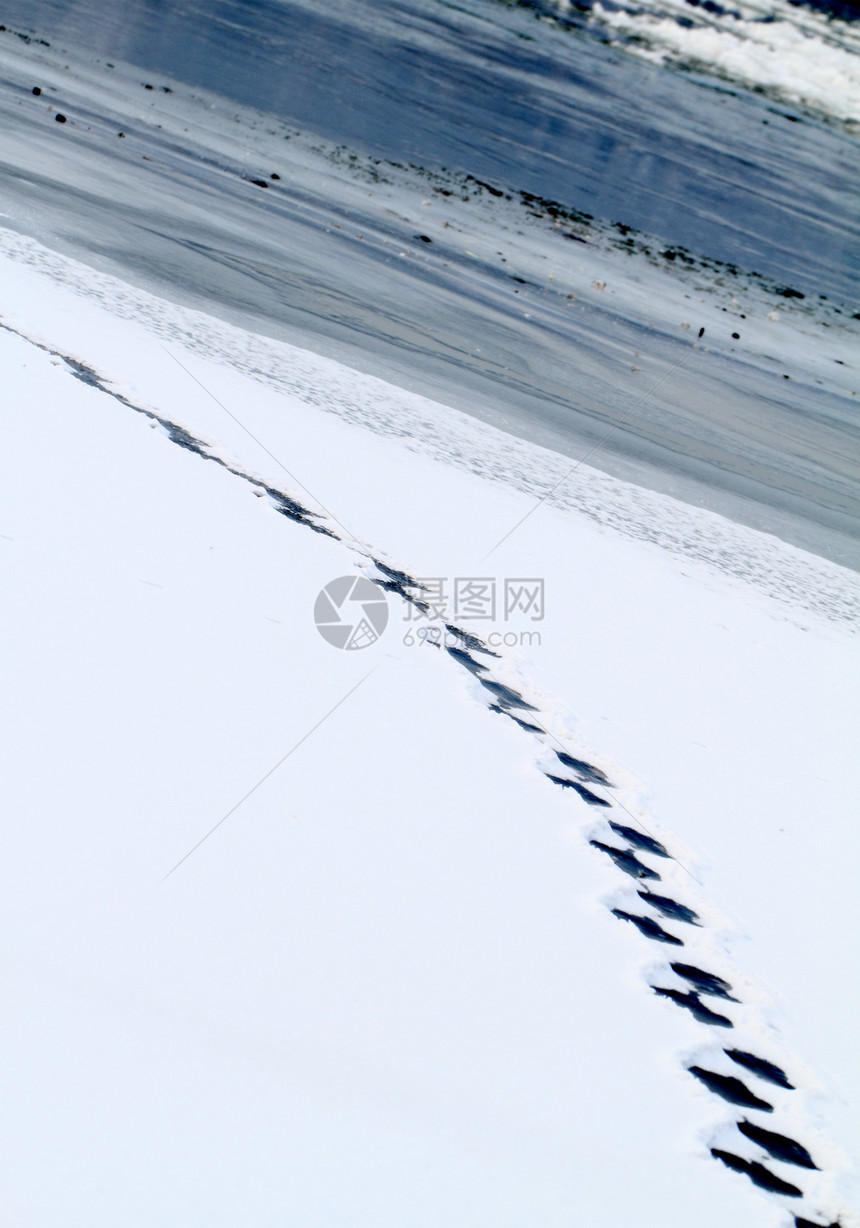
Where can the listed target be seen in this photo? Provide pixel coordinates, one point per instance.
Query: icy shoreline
(521, 312)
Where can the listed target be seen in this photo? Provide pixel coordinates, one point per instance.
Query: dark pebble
(424, 238)
(274, 175)
(36, 90)
(261, 183)
(61, 119)
(736, 336)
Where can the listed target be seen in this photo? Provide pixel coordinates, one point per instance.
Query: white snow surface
(387, 990)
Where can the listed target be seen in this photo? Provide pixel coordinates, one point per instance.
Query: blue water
(483, 89)
(493, 93)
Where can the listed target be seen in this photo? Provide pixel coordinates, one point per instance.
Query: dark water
(487, 90)
(560, 115)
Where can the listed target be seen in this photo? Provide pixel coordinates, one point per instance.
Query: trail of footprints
(699, 983)
(627, 847)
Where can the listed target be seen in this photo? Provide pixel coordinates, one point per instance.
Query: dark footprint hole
(690, 1002)
(730, 1089)
(179, 435)
(585, 794)
(647, 843)
(800, 1222)
(507, 696)
(757, 1173)
(585, 770)
(780, 1147)
(758, 1065)
(394, 586)
(522, 724)
(469, 663)
(648, 927)
(625, 861)
(469, 641)
(85, 374)
(705, 982)
(393, 574)
(670, 908)
(398, 582)
(293, 510)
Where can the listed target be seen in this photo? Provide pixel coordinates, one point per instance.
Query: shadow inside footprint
(585, 770)
(85, 374)
(648, 927)
(507, 696)
(625, 861)
(290, 508)
(178, 434)
(757, 1173)
(780, 1147)
(469, 663)
(758, 1065)
(394, 574)
(730, 1089)
(585, 794)
(705, 982)
(647, 843)
(690, 1002)
(470, 641)
(516, 719)
(670, 908)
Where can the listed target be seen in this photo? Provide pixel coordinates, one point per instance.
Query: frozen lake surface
(544, 301)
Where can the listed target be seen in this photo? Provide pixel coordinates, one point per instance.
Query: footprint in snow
(670, 908)
(705, 982)
(761, 1067)
(585, 794)
(730, 1089)
(647, 843)
(780, 1147)
(648, 927)
(625, 860)
(690, 1002)
(757, 1173)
